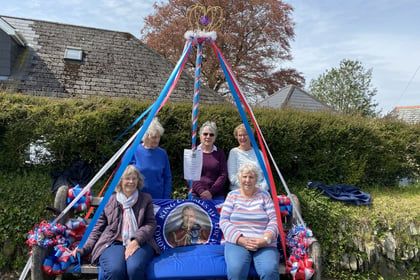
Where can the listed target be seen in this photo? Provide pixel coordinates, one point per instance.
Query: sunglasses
(208, 134)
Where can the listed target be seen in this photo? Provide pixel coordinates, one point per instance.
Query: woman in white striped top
(249, 224)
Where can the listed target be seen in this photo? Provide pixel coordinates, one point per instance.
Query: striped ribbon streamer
(238, 97)
(196, 94)
(195, 105)
(235, 90)
(260, 135)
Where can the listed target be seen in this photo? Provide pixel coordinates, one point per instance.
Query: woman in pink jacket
(122, 240)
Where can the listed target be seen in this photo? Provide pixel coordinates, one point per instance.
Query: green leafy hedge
(306, 146)
(24, 196)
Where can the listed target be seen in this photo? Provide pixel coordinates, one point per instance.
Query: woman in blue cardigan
(153, 162)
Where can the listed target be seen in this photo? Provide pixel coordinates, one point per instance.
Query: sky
(383, 35)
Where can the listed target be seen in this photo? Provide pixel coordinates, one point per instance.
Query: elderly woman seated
(249, 224)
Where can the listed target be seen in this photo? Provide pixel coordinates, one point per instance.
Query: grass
(395, 203)
(341, 228)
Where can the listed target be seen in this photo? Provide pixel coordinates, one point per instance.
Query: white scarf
(129, 220)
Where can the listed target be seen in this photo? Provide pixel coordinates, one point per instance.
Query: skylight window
(73, 53)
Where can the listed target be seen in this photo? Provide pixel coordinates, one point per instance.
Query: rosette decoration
(75, 229)
(285, 206)
(299, 264)
(63, 238)
(83, 203)
(46, 234)
(59, 261)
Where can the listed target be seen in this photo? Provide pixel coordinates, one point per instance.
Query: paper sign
(193, 162)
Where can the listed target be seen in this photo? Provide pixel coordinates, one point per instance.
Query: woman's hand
(75, 251)
(248, 243)
(131, 248)
(251, 244)
(206, 195)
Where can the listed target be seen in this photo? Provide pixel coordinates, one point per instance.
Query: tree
(347, 89)
(254, 39)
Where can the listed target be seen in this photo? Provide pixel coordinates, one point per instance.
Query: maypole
(203, 23)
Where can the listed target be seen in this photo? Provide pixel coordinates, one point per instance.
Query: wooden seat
(88, 269)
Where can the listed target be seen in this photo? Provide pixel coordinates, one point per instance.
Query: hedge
(306, 146)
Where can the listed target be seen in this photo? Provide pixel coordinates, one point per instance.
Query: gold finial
(202, 18)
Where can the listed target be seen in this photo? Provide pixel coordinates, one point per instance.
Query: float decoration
(286, 208)
(202, 18)
(60, 260)
(75, 229)
(83, 203)
(63, 237)
(299, 264)
(203, 21)
(46, 234)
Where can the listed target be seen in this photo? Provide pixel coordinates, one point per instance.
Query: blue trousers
(238, 261)
(114, 266)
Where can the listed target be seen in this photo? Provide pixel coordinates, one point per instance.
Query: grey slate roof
(409, 114)
(293, 97)
(115, 64)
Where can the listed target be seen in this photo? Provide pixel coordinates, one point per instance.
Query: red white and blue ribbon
(60, 260)
(46, 234)
(237, 94)
(264, 163)
(196, 98)
(285, 203)
(299, 264)
(83, 202)
(62, 237)
(75, 229)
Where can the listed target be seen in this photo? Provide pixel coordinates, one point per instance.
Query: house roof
(114, 64)
(410, 114)
(293, 97)
(12, 32)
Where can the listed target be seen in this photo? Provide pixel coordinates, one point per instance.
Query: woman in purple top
(214, 170)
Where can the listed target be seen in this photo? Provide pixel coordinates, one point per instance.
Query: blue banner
(187, 222)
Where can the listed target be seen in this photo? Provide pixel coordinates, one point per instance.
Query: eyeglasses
(130, 178)
(208, 134)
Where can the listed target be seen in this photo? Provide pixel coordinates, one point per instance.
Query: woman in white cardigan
(244, 153)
